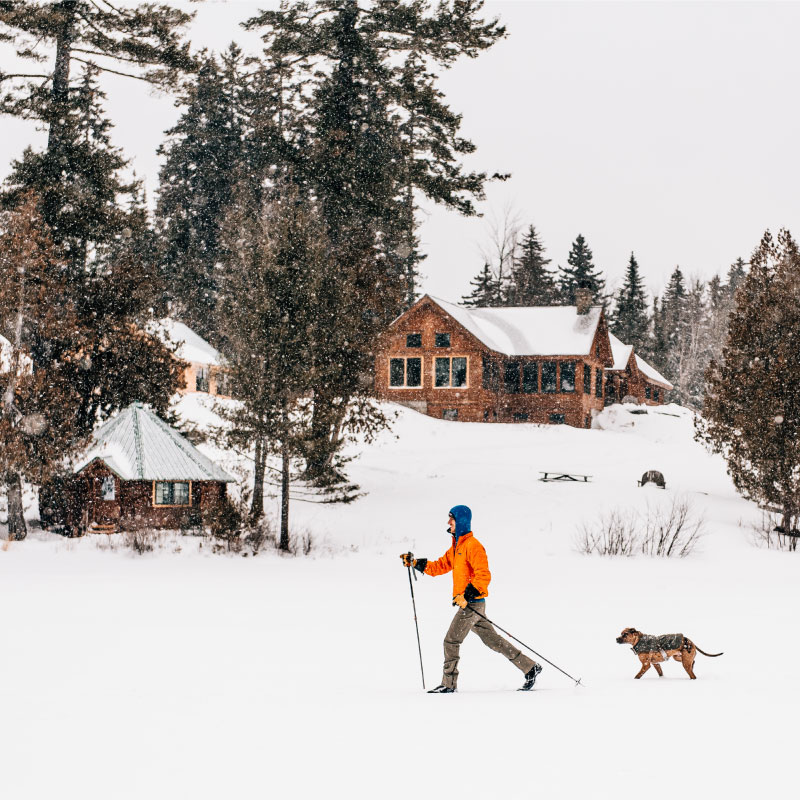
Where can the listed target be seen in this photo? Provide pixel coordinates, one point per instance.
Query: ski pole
(528, 647)
(414, 604)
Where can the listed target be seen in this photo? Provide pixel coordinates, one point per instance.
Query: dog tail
(710, 655)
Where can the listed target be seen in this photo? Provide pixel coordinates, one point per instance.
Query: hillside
(299, 677)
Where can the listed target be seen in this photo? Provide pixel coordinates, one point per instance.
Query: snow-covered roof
(622, 353)
(528, 331)
(6, 355)
(190, 346)
(138, 445)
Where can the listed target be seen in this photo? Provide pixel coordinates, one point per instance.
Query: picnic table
(563, 476)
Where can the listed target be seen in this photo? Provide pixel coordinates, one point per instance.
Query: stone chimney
(583, 299)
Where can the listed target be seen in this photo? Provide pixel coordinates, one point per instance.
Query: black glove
(420, 564)
(471, 593)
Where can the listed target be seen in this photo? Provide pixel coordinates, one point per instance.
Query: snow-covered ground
(189, 675)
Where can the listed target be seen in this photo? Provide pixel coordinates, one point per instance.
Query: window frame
(561, 421)
(405, 360)
(413, 346)
(512, 365)
(574, 366)
(554, 390)
(587, 379)
(526, 366)
(450, 385)
(202, 377)
(598, 383)
(172, 484)
(436, 336)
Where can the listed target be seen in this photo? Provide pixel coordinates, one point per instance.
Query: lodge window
(442, 340)
(451, 372)
(587, 379)
(549, 376)
(647, 392)
(520, 417)
(405, 372)
(655, 395)
(450, 413)
(108, 488)
(567, 376)
(598, 383)
(224, 384)
(171, 493)
(511, 377)
(414, 340)
(201, 379)
(491, 374)
(530, 377)
(557, 419)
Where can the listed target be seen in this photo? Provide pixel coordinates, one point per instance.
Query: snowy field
(188, 675)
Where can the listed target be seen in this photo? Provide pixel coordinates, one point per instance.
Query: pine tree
(657, 347)
(532, 284)
(673, 305)
(736, 275)
(486, 290)
(630, 321)
(751, 412)
(581, 272)
(203, 161)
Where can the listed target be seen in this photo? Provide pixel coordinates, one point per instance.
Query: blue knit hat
(463, 518)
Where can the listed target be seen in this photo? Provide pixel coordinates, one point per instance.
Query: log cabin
(139, 472)
(534, 364)
(631, 376)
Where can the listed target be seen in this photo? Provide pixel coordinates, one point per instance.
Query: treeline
(679, 332)
(286, 222)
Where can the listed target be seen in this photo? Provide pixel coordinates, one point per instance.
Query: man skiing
(467, 560)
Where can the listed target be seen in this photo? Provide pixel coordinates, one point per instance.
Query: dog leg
(688, 664)
(645, 667)
(659, 670)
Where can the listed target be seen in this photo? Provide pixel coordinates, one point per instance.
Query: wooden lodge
(515, 364)
(139, 472)
(631, 376)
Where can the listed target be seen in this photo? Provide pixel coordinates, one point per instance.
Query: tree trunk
(17, 530)
(257, 505)
(284, 545)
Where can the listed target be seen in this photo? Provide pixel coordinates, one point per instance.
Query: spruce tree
(630, 321)
(486, 290)
(673, 305)
(532, 284)
(751, 412)
(581, 272)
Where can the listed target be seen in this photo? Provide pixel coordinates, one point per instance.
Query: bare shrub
(768, 533)
(668, 531)
(141, 540)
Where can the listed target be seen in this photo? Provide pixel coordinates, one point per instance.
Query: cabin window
(451, 372)
(108, 489)
(587, 379)
(557, 419)
(414, 340)
(201, 379)
(405, 372)
(491, 374)
(548, 376)
(511, 377)
(567, 376)
(655, 395)
(450, 413)
(530, 377)
(598, 383)
(224, 384)
(647, 392)
(521, 417)
(442, 340)
(171, 493)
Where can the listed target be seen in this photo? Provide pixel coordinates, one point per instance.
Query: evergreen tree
(532, 284)
(657, 349)
(630, 321)
(752, 403)
(203, 160)
(690, 352)
(673, 306)
(736, 275)
(486, 290)
(581, 272)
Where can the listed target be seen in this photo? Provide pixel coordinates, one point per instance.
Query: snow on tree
(532, 284)
(581, 272)
(630, 321)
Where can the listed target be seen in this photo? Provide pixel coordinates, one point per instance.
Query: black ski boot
(442, 689)
(530, 678)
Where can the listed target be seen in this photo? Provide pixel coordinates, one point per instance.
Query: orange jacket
(468, 562)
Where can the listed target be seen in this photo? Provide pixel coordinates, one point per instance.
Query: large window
(171, 493)
(405, 372)
(530, 377)
(491, 374)
(598, 383)
(414, 340)
(548, 376)
(587, 379)
(511, 377)
(647, 392)
(567, 376)
(201, 379)
(655, 394)
(442, 340)
(451, 372)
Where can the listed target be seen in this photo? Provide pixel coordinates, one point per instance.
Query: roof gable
(189, 346)
(138, 445)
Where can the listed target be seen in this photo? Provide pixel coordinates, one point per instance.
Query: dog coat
(655, 644)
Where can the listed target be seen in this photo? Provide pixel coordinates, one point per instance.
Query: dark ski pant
(467, 620)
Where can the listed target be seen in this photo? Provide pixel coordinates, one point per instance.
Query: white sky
(669, 129)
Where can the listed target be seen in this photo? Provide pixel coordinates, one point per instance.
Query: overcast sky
(668, 129)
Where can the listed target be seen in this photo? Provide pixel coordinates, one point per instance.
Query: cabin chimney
(583, 299)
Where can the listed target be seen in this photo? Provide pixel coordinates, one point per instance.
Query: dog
(652, 650)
